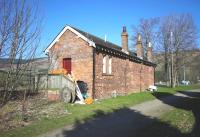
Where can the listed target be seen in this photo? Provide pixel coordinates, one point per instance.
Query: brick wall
(72, 46)
(127, 77)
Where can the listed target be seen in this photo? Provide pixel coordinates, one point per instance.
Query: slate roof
(100, 42)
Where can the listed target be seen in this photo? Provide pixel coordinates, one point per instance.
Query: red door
(67, 65)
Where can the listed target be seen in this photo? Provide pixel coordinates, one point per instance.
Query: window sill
(105, 74)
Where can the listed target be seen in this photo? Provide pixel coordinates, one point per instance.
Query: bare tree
(177, 34)
(20, 29)
(189, 71)
(148, 30)
(5, 25)
(171, 37)
(165, 45)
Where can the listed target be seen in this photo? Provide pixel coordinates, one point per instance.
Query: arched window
(110, 65)
(104, 64)
(107, 64)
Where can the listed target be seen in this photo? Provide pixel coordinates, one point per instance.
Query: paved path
(124, 122)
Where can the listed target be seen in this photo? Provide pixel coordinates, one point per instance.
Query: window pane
(104, 64)
(110, 65)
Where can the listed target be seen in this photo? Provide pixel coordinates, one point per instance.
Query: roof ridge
(89, 34)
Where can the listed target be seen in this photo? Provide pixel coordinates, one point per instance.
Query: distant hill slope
(37, 64)
(192, 66)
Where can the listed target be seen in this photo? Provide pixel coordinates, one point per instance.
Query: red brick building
(106, 68)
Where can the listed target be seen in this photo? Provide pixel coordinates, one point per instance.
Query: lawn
(82, 112)
(182, 121)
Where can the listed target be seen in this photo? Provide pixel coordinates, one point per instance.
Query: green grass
(179, 88)
(82, 112)
(176, 123)
(182, 121)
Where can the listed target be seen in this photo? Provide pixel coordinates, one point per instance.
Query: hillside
(191, 66)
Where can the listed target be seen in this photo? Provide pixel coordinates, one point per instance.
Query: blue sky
(101, 17)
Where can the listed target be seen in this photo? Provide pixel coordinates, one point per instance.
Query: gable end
(91, 43)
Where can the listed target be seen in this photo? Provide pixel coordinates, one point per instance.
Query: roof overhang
(91, 43)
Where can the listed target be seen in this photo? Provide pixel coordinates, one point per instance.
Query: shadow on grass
(190, 102)
(126, 122)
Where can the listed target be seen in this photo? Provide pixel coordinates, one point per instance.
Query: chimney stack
(149, 52)
(124, 38)
(139, 49)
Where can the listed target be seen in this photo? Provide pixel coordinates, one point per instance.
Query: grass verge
(176, 123)
(80, 112)
(182, 121)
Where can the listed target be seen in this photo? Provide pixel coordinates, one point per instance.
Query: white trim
(125, 51)
(91, 43)
(104, 64)
(110, 65)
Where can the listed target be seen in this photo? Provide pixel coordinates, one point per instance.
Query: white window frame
(104, 64)
(110, 65)
(107, 64)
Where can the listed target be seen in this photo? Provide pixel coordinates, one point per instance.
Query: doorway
(67, 65)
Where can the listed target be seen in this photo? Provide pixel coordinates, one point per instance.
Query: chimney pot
(124, 28)
(124, 38)
(139, 48)
(149, 52)
(149, 45)
(139, 39)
